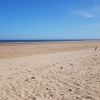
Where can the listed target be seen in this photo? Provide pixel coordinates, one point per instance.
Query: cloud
(84, 14)
(87, 12)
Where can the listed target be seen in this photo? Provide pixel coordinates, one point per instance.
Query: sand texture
(65, 75)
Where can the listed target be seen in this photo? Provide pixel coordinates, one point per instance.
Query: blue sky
(49, 19)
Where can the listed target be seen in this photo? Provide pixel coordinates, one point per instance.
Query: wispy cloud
(83, 14)
(87, 12)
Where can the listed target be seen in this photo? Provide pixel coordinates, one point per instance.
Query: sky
(49, 19)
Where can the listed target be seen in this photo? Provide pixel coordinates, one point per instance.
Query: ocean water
(5, 41)
(67, 40)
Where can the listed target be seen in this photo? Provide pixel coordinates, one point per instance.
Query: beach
(50, 71)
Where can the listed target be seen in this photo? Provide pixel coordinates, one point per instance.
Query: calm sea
(67, 40)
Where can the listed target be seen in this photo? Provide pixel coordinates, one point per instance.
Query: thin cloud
(84, 14)
(88, 13)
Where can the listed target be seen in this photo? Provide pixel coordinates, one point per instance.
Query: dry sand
(50, 71)
(28, 49)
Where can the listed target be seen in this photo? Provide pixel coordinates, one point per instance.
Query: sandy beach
(50, 71)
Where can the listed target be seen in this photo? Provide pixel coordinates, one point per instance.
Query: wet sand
(50, 71)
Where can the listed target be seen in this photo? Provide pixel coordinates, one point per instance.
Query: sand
(61, 71)
(10, 50)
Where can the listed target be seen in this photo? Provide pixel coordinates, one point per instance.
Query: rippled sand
(66, 75)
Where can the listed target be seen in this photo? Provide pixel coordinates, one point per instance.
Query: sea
(55, 40)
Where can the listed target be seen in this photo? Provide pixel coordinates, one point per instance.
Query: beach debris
(33, 77)
(27, 79)
(47, 89)
(61, 67)
(70, 89)
(51, 95)
(71, 64)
